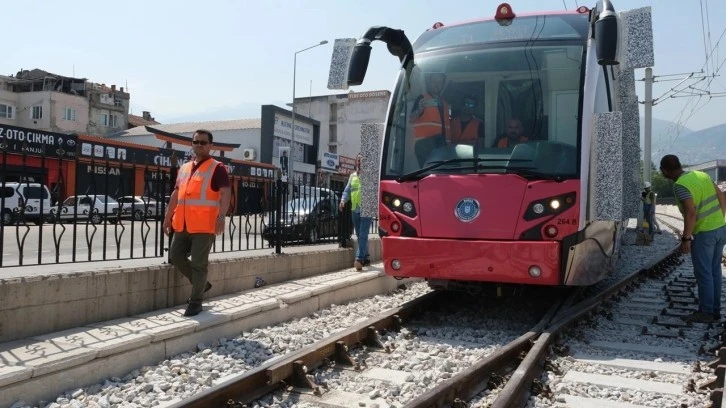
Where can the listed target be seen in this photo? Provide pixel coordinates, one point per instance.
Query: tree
(661, 185)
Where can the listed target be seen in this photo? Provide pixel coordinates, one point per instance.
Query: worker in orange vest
(430, 117)
(513, 136)
(467, 128)
(196, 213)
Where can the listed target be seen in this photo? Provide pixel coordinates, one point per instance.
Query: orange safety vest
(428, 124)
(197, 206)
(504, 142)
(470, 133)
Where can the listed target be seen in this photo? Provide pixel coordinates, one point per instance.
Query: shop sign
(37, 142)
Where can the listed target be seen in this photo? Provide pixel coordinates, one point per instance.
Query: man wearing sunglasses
(467, 128)
(196, 213)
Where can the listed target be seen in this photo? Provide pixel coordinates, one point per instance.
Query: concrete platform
(49, 298)
(44, 366)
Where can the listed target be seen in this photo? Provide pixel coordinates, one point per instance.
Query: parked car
(33, 197)
(307, 219)
(140, 207)
(94, 207)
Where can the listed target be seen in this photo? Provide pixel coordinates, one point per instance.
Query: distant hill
(692, 147)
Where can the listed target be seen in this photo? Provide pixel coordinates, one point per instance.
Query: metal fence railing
(52, 213)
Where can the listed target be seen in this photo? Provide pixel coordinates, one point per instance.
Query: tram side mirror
(606, 38)
(359, 64)
(340, 63)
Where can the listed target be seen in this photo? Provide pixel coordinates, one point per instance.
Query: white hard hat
(647, 184)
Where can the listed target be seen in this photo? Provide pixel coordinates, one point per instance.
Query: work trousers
(184, 244)
(362, 226)
(649, 215)
(706, 253)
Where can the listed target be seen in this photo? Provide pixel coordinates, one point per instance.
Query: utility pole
(648, 102)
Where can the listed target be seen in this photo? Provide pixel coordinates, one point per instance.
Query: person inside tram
(513, 135)
(467, 128)
(430, 118)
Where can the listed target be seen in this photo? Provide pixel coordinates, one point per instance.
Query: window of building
(333, 148)
(37, 112)
(109, 120)
(69, 114)
(6, 111)
(333, 133)
(333, 112)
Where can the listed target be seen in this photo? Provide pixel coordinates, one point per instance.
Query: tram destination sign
(35, 142)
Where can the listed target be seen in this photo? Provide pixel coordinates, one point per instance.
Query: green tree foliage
(661, 185)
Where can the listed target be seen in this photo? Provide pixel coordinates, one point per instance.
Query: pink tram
(504, 200)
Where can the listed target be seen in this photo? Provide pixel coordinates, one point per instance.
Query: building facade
(340, 117)
(48, 102)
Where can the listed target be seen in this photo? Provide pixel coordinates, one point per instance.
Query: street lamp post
(291, 173)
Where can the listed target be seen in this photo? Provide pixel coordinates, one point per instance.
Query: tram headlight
(396, 264)
(399, 204)
(549, 206)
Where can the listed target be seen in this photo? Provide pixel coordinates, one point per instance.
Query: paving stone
(13, 374)
(158, 328)
(295, 296)
(44, 357)
(107, 339)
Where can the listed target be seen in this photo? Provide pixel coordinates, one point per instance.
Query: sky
(220, 59)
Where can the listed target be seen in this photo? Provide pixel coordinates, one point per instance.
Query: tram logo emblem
(467, 209)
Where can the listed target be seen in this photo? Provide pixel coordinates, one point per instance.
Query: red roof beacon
(504, 14)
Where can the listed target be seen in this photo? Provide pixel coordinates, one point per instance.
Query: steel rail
(516, 391)
(291, 369)
(466, 384)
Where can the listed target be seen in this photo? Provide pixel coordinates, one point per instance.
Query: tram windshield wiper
(531, 172)
(418, 174)
(526, 172)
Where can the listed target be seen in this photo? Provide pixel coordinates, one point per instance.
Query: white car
(139, 207)
(93, 207)
(34, 197)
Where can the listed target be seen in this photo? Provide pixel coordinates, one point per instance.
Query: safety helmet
(647, 184)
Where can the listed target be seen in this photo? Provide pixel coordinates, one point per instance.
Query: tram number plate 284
(567, 221)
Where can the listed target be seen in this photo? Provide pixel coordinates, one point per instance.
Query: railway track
(503, 377)
(293, 374)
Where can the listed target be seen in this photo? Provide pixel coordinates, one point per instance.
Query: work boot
(193, 309)
(699, 317)
(366, 262)
(358, 265)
